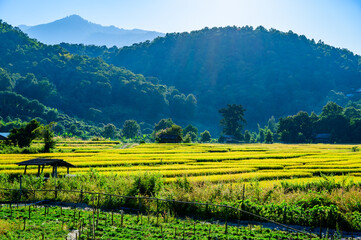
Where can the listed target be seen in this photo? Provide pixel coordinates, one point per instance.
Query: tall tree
(268, 136)
(24, 135)
(170, 135)
(47, 133)
(163, 124)
(205, 136)
(331, 109)
(131, 129)
(190, 128)
(233, 119)
(109, 131)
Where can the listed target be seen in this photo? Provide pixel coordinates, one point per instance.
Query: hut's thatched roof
(45, 162)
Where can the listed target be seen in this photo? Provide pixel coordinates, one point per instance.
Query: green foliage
(191, 136)
(205, 136)
(269, 71)
(37, 80)
(331, 109)
(17, 106)
(6, 149)
(268, 137)
(183, 183)
(131, 129)
(147, 184)
(343, 125)
(296, 129)
(247, 136)
(170, 135)
(39, 75)
(233, 119)
(261, 135)
(163, 124)
(187, 138)
(190, 128)
(24, 135)
(109, 131)
(6, 82)
(47, 134)
(271, 124)
(126, 225)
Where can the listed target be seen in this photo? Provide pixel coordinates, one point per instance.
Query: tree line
(337, 124)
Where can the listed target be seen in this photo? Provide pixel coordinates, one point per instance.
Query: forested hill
(267, 71)
(80, 86)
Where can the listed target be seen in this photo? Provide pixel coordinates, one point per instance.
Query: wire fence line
(149, 204)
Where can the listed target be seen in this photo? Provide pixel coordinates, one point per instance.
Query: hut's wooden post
(21, 178)
(38, 170)
(26, 166)
(67, 170)
(42, 169)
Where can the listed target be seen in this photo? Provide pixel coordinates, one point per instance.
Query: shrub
(147, 184)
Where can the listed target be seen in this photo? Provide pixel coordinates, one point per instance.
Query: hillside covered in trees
(38, 80)
(185, 76)
(267, 71)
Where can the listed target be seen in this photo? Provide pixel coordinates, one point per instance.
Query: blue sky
(336, 22)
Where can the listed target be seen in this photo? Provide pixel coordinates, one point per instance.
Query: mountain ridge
(75, 29)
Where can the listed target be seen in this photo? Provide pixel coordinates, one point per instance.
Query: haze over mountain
(75, 29)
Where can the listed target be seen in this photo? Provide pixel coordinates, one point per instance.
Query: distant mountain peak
(75, 16)
(75, 29)
(72, 20)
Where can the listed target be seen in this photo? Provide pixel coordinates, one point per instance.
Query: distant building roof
(323, 136)
(228, 136)
(4, 135)
(168, 136)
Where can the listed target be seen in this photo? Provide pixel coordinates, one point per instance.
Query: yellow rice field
(267, 163)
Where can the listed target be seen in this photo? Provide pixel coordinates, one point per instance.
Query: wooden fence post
(243, 193)
(140, 204)
(226, 225)
(20, 188)
(184, 224)
(55, 193)
(81, 195)
(93, 217)
(320, 225)
(98, 200)
(157, 205)
(121, 219)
